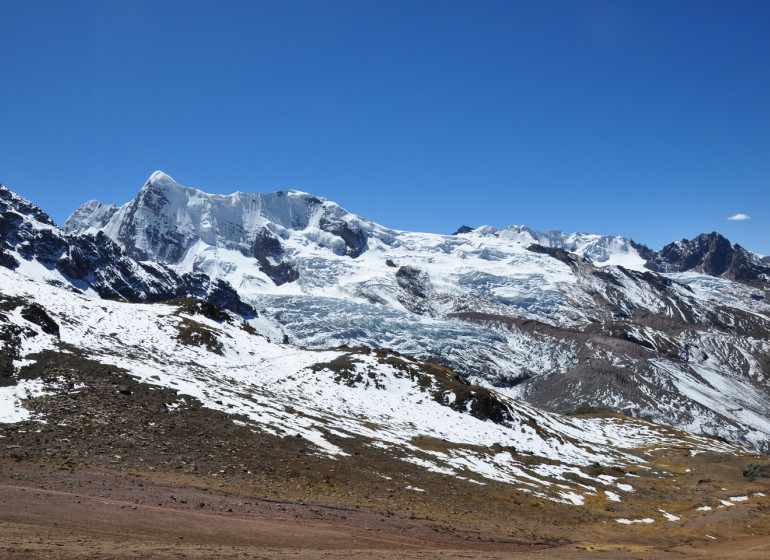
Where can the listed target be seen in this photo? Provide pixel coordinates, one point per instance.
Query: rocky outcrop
(416, 289)
(570, 259)
(714, 255)
(269, 253)
(354, 237)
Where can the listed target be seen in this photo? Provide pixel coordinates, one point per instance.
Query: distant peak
(160, 179)
(91, 205)
(463, 229)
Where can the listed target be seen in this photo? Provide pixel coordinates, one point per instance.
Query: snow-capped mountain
(173, 224)
(31, 243)
(568, 322)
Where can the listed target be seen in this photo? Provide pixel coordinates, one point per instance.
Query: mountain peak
(712, 254)
(161, 179)
(161, 186)
(89, 217)
(463, 229)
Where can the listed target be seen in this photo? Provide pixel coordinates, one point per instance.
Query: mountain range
(564, 321)
(536, 360)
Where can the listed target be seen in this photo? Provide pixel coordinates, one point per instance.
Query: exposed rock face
(268, 251)
(10, 201)
(26, 231)
(34, 313)
(556, 252)
(644, 251)
(159, 239)
(714, 255)
(353, 236)
(417, 289)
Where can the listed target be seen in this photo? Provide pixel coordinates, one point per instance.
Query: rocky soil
(113, 468)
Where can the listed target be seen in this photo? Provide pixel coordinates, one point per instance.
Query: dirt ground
(113, 474)
(89, 514)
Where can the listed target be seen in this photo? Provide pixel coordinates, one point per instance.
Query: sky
(644, 119)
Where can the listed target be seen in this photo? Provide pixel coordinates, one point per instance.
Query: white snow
(12, 400)
(669, 516)
(612, 496)
(631, 521)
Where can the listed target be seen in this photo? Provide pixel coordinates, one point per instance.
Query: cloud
(740, 217)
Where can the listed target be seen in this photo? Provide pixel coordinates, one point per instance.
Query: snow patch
(669, 516)
(12, 400)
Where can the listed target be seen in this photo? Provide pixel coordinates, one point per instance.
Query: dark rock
(417, 288)
(34, 313)
(558, 253)
(10, 199)
(354, 237)
(201, 307)
(8, 261)
(644, 251)
(282, 273)
(463, 229)
(714, 255)
(267, 248)
(163, 234)
(414, 281)
(755, 471)
(10, 341)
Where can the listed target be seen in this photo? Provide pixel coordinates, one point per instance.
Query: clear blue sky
(646, 119)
